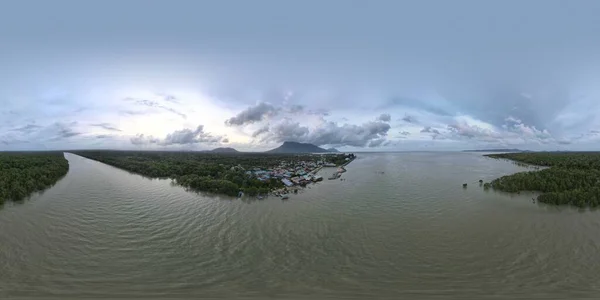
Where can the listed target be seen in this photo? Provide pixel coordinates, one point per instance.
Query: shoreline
(559, 179)
(298, 188)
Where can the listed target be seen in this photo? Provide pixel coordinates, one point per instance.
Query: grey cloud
(188, 136)
(318, 112)
(141, 139)
(134, 112)
(462, 129)
(252, 114)
(330, 133)
(287, 131)
(154, 104)
(62, 131)
(260, 131)
(405, 133)
(106, 126)
(103, 136)
(178, 137)
(377, 142)
(428, 129)
(294, 109)
(225, 141)
(409, 119)
(171, 98)
(27, 128)
(529, 132)
(384, 118)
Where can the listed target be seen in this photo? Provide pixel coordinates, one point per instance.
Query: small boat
(259, 197)
(285, 197)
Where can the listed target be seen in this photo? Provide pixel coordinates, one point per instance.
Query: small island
(572, 178)
(228, 173)
(23, 173)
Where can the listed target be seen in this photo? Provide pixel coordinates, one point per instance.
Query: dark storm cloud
(106, 126)
(252, 114)
(179, 137)
(384, 118)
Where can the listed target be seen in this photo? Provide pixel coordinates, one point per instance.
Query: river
(411, 232)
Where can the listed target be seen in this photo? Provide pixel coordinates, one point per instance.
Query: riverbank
(280, 192)
(22, 174)
(250, 174)
(571, 178)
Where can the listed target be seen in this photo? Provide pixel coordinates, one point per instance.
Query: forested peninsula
(22, 173)
(573, 178)
(220, 173)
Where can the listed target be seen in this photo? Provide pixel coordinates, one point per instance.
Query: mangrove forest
(572, 178)
(22, 173)
(219, 173)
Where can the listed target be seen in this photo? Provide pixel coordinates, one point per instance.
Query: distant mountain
(294, 147)
(332, 150)
(224, 150)
(495, 150)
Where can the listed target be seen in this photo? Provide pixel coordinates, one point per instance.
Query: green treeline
(572, 177)
(221, 173)
(24, 173)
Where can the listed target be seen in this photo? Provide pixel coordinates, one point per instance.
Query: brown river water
(412, 233)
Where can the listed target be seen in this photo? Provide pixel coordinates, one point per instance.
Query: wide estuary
(411, 231)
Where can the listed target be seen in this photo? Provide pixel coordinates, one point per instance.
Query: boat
(285, 197)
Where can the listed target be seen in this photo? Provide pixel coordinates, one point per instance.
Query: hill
(294, 147)
(224, 150)
(333, 150)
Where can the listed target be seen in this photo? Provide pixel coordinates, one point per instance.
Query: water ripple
(413, 231)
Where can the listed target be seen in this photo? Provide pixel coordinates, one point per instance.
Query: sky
(356, 75)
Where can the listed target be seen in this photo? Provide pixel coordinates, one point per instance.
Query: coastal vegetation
(571, 178)
(221, 173)
(22, 173)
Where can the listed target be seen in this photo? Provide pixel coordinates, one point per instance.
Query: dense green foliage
(222, 173)
(24, 173)
(573, 177)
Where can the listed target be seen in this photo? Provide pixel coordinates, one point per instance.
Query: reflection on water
(412, 231)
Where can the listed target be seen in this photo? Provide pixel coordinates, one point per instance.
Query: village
(300, 173)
